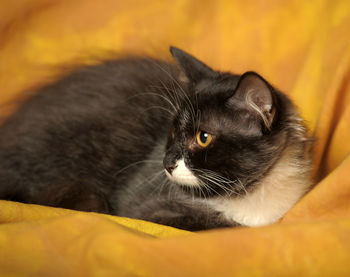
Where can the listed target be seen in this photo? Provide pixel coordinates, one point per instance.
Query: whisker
(159, 107)
(170, 93)
(150, 179)
(169, 75)
(155, 94)
(228, 191)
(136, 163)
(159, 174)
(242, 186)
(218, 181)
(186, 97)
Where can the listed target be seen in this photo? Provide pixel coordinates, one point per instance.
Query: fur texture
(122, 137)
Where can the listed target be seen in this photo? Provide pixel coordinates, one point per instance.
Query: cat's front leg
(192, 217)
(87, 202)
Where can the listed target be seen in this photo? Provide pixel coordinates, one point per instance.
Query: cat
(181, 145)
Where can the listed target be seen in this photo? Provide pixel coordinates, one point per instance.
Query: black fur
(95, 140)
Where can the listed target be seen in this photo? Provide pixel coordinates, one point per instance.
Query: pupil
(204, 137)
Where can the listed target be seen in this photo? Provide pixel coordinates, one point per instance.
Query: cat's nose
(169, 166)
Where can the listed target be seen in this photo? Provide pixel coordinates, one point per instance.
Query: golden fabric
(302, 47)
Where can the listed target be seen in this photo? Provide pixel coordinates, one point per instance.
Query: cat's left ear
(194, 69)
(257, 96)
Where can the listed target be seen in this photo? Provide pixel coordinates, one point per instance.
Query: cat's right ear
(257, 96)
(194, 69)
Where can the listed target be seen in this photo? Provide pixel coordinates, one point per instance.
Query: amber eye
(204, 138)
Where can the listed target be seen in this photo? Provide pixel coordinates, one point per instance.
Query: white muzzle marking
(182, 175)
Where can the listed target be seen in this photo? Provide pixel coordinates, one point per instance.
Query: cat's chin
(183, 180)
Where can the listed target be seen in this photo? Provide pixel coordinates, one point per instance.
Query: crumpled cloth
(301, 47)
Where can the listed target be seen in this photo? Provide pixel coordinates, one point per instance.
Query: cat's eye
(204, 138)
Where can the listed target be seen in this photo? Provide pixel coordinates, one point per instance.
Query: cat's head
(228, 131)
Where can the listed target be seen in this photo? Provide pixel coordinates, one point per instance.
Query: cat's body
(96, 140)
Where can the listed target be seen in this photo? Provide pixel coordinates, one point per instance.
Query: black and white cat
(188, 147)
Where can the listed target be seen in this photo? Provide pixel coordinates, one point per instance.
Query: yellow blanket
(302, 47)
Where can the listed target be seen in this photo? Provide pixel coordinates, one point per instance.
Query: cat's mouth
(183, 179)
(182, 175)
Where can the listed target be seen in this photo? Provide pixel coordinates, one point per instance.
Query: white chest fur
(271, 199)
